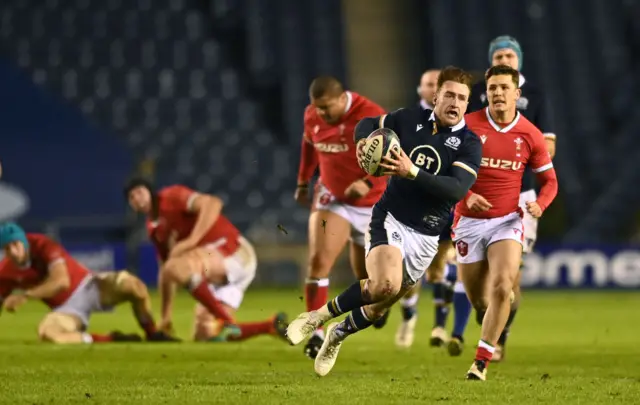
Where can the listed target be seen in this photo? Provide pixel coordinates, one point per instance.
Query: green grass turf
(567, 348)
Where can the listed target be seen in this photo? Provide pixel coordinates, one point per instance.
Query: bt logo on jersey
(427, 158)
(331, 147)
(501, 164)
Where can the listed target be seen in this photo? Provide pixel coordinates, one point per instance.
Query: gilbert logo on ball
(377, 146)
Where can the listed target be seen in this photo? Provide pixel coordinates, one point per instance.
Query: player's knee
(374, 313)
(383, 289)
(205, 326)
(501, 289)
(48, 333)
(177, 270)
(319, 265)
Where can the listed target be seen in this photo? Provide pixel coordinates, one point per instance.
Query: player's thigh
(504, 263)
(328, 234)
(201, 260)
(436, 270)
(358, 260)
(116, 287)
(474, 277)
(57, 323)
(384, 266)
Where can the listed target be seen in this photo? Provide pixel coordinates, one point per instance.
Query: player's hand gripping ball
(372, 150)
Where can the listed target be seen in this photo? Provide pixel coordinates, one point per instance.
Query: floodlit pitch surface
(566, 348)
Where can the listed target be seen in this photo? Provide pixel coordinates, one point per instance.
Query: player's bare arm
(308, 166)
(167, 290)
(56, 282)
(548, 190)
(208, 209)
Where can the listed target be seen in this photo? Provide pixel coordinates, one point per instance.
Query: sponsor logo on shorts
(395, 236)
(463, 248)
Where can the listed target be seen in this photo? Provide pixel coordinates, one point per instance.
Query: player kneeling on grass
(202, 251)
(435, 167)
(43, 270)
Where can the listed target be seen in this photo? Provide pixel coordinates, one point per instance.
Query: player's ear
(418, 91)
(518, 93)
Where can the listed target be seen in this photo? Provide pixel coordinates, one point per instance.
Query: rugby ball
(377, 146)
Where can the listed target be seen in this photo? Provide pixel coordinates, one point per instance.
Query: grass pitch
(566, 348)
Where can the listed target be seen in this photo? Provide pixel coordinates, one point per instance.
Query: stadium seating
(212, 92)
(579, 52)
(191, 86)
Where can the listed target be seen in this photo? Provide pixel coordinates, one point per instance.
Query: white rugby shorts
(241, 269)
(358, 217)
(418, 250)
(472, 236)
(84, 300)
(530, 223)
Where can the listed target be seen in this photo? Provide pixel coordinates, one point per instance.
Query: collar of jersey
(425, 105)
(497, 127)
(349, 102)
(454, 128)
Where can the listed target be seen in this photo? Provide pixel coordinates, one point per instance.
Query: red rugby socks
(199, 288)
(316, 294)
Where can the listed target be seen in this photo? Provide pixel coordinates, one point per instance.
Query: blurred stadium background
(210, 94)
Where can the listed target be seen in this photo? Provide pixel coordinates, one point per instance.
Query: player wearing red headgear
(201, 250)
(344, 194)
(44, 271)
(488, 230)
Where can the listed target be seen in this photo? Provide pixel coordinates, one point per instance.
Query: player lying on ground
(344, 195)
(434, 169)
(488, 229)
(200, 250)
(43, 270)
(532, 104)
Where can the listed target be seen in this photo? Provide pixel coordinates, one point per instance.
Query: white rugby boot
(303, 326)
(478, 371)
(328, 354)
(405, 333)
(439, 337)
